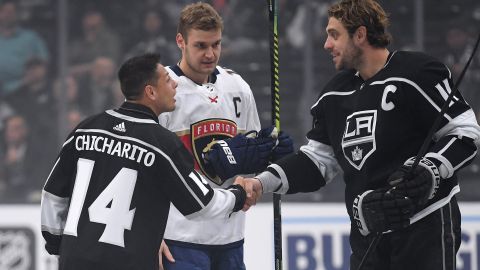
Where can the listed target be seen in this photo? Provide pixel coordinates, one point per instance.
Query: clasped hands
(253, 188)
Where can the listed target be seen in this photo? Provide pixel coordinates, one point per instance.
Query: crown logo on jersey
(120, 127)
(357, 154)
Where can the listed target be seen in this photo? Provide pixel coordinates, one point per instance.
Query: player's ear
(180, 41)
(149, 92)
(360, 34)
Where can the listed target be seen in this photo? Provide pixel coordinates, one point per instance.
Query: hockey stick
(426, 142)
(275, 94)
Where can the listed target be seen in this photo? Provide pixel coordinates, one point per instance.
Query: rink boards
(315, 237)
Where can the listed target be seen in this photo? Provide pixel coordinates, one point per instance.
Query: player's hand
(239, 155)
(283, 145)
(380, 211)
(420, 185)
(164, 252)
(253, 188)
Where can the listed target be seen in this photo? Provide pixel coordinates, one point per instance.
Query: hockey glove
(239, 155)
(240, 196)
(284, 144)
(380, 211)
(420, 185)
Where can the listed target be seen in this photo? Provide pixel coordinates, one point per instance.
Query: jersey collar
(137, 111)
(211, 79)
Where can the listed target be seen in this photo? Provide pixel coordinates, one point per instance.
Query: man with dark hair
(106, 202)
(371, 120)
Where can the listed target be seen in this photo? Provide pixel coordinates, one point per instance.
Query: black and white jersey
(370, 128)
(105, 203)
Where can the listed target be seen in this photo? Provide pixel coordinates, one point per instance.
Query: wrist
(432, 168)
(271, 183)
(240, 196)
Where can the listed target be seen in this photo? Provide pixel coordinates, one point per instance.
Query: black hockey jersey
(106, 202)
(370, 128)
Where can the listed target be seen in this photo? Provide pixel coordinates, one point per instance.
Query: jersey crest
(204, 134)
(358, 141)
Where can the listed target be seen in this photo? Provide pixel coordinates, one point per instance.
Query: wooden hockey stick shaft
(426, 143)
(275, 96)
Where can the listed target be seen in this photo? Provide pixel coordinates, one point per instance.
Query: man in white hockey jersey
(215, 106)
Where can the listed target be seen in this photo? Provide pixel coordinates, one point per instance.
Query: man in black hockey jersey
(370, 121)
(105, 203)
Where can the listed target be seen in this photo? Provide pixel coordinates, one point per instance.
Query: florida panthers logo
(203, 135)
(358, 141)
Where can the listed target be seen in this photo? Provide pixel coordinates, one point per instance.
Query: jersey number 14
(118, 194)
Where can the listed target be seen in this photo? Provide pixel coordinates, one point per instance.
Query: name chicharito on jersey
(115, 148)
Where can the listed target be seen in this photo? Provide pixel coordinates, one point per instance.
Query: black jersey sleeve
(430, 87)
(454, 143)
(190, 192)
(56, 197)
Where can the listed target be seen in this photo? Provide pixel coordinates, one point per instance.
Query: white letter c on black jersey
(388, 106)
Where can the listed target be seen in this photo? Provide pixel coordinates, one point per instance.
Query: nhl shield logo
(358, 141)
(204, 134)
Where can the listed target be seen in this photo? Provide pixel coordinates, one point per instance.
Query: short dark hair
(355, 13)
(136, 73)
(198, 16)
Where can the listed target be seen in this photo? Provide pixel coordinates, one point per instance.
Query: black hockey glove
(240, 196)
(239, 155)
(380, 211)
(284, 145)
(421, 185)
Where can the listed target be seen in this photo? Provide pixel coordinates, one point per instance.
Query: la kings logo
(358, 141)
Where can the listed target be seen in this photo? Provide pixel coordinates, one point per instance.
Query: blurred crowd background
(59, 58)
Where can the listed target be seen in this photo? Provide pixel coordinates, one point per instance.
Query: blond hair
(199, 16)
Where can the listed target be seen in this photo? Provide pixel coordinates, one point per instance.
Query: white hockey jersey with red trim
(204, 113)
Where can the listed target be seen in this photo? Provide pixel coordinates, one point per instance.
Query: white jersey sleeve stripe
(54, 213)
(332, 93)
(323, 157)
(463, 125)
(129, 118)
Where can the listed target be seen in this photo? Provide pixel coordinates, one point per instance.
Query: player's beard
(196, 65)
(352, 57)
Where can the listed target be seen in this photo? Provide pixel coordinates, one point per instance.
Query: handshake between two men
(374, 211)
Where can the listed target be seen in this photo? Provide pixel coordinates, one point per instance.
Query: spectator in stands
(245, 32)
(98, 40)
(17, 46)
(35, 102)
(5, 112)
(67, 93)
(99, 89)
(153, 39)
(295, 33)
(74, 117)
(17, 161)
